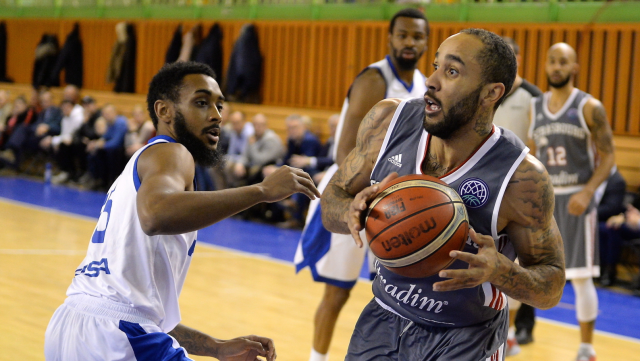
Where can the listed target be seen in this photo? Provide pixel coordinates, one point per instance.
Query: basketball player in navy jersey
(333, 258)
(567, 125)
(459, 313)
(123, 301)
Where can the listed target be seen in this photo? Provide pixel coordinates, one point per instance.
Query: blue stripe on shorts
(156, 346)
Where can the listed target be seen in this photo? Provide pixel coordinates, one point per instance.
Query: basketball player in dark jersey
(568, 125)
(458, 314)
(332, 258)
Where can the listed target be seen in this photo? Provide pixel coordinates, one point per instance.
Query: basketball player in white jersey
(333, 258)
(123, 301)
(567, 125)
(449, 134)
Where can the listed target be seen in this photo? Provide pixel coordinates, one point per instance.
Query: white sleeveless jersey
(125, 265)
(396, 88)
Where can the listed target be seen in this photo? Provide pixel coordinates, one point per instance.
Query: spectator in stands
(72, 94)
(26, 137)
(5, 108)
(21, 114)
(140, 130)
(239, 133)
(263, 148)
(612, 230)
(82, 137)
(105, 155)
(300, 141)
(325, 158)
(60, 145)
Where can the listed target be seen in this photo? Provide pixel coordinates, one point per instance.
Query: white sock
(588, 348)
(512, 332)
(317, 356)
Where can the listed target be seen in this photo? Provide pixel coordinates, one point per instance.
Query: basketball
(413, 224)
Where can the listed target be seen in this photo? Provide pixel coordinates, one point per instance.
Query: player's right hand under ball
(359, 205)
(286, 181)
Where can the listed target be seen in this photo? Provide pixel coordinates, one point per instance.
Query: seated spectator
(625, 227)
(300, 141)
(239, 131)
(105, 155)
(72, 94)
(611, 204)
(87, 132)
(26, 137)
(263, 148)
(140, 131)
(5, 108)
(325, 159)
(21, 114)
(61, 145)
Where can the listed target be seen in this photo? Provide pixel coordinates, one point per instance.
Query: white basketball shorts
(87, 328)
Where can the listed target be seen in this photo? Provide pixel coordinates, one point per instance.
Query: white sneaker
(60, 178)
(585, 356)
(513, 348)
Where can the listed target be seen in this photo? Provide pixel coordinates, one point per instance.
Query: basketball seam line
(411, 215)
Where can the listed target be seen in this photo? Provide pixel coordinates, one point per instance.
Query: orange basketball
(413, 224)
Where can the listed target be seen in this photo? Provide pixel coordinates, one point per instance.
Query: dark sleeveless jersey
(563, 140)
(481, 182)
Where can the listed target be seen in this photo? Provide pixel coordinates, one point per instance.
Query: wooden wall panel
(312, 64)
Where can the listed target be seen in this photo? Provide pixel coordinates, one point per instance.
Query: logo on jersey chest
(474, 192)
(396, 160)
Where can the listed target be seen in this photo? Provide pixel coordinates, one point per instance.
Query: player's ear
(492, 93)
(164, 111)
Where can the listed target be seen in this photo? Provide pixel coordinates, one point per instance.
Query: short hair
(166, 84)
(408, 13)
(512, 43)
(293, 117)
(497, 60)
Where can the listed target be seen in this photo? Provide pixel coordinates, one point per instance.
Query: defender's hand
(286, 181)
(483, 266)
(358, 207)
(247, 348)
(579, 202)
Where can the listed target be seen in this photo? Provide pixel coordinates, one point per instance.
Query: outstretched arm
(527, 212)
(339, 201)
(166, 204)
(240, 348)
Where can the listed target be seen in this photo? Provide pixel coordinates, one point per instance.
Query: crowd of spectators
(88, 146)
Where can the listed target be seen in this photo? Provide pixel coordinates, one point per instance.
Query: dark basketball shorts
(382, 335)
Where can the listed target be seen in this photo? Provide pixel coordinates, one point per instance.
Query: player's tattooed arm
(596, 119)
(353, 175)
(528, 213)
(246, 347)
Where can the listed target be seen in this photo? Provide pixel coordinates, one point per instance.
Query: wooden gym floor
(227, 292)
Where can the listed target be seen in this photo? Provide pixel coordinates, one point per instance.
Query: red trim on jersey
(426, 149)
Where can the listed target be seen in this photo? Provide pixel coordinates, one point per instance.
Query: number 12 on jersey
(557, 156)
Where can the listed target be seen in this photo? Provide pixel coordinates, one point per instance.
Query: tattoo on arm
(601, 131)
(194, 341)
(540, 277)
(350, 177)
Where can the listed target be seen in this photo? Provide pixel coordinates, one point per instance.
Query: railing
(503, 11)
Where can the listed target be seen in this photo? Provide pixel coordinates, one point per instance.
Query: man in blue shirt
(105, 155)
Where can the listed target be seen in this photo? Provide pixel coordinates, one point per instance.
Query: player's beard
(405, 64)
(459, 115)
(202, 154)
(559, 84)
